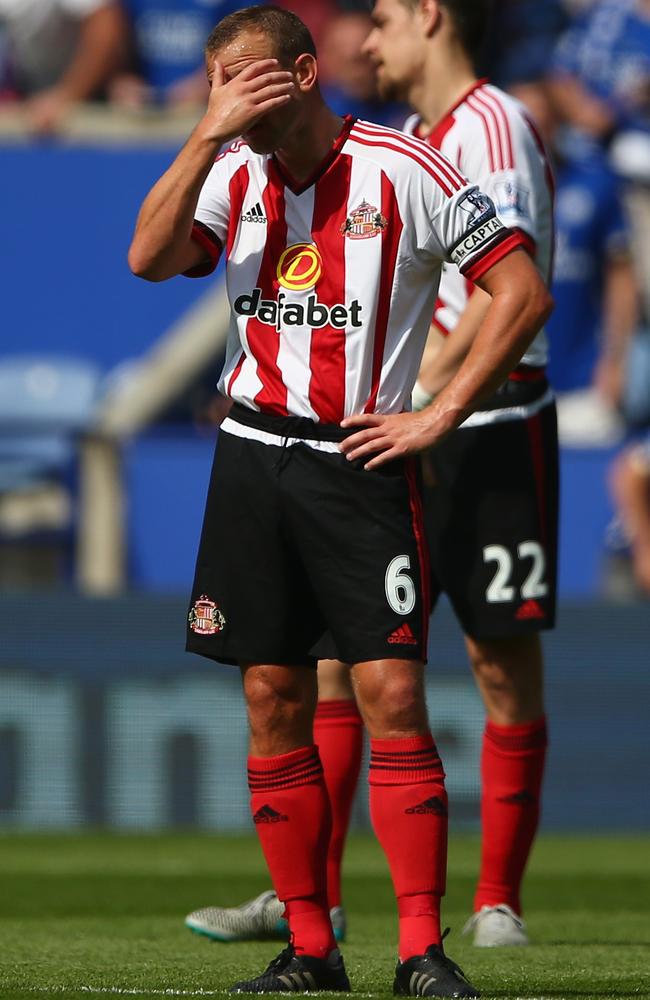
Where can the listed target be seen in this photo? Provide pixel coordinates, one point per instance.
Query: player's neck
(308, 146)
(447, 76)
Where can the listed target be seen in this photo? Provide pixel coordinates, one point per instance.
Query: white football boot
(258, 919)
(496, 927)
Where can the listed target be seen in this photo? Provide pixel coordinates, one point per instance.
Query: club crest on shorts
(364, 222)
(205, 618)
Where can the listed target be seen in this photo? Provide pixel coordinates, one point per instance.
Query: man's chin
(260, 143)
(390, 90)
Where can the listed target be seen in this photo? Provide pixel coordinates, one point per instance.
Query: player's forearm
(162, 245)
(162, 238)
(437, 369)
(510, 324)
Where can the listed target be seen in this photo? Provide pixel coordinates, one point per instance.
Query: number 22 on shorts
(500, 590)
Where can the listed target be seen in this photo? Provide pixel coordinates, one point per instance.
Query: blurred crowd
(582, 67)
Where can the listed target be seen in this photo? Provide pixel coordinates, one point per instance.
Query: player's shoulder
(403, 156)
(411, 124)
(485, 101)
(502, 129)
(236, 154)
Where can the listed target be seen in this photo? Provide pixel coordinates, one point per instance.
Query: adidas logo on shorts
(403, 635)
(529, 610)
(255, 214)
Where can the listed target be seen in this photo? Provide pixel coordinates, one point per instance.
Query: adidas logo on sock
(434, 806)
(522, 798)
(255, 214)
(403, 635)
(267, 815)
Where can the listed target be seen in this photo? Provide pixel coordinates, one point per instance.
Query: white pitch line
(135, 992)
(124, 991)
(170, 992)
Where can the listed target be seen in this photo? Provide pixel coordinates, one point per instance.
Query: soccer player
(492, 498)
(334, 233)
(492, 495)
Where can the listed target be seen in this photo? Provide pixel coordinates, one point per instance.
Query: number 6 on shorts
(400, 589)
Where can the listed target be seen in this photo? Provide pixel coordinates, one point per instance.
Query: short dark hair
(291, 38)
(471, 20)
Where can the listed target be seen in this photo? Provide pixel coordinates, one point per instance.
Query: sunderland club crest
(364, 222)
(205, 618)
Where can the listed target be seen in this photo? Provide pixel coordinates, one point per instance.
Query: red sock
(408, 808)
(291, 812)
(338, 732)
(512, 768)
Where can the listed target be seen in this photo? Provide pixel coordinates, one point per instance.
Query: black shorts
(491, 508)
(298, 542)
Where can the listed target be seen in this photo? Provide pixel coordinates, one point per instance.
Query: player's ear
(430, 14)
(306, 70)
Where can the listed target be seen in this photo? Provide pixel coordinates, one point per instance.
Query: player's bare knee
(279, 700)
(393, 704)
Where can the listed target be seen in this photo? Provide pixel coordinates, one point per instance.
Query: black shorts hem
(509, 630)
(352, 656)
(233, 659)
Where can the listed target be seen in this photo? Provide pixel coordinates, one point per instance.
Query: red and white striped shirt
(332, 282)
(489, 136)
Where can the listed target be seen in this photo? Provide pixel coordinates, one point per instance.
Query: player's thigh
(362, 540)
(492, 509)
(509, 673)
(250, 600)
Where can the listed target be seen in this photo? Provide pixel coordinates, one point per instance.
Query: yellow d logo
(299, 267)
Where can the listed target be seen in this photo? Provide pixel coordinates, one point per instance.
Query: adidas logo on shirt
(268, 815)
(255, 214)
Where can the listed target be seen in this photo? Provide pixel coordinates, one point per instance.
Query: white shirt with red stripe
(489, 136)
(332, 282)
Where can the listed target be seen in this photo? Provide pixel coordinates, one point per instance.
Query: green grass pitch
(98, 914)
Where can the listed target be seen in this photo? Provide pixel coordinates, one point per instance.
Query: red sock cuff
(515, 739)
(405, 761)
(287, 770)
(337, 712)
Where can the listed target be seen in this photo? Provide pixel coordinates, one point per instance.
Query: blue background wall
(67, 218)
(104, 719)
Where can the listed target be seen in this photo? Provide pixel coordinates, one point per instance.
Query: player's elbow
(542, 304)
(143, 265)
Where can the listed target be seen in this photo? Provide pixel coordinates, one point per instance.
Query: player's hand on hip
(234, 105)
(388, 437)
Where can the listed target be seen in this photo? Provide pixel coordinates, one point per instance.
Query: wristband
(420, 398)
